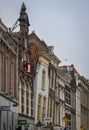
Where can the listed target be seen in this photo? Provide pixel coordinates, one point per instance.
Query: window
(39, 107)
(53, 104)
(68, 95)
(69, 121)
(7, 74)
(57, 89)
(12, 78)
(26, 43)
(22, 97)
(51, 107)
(48, 111)
(43, 79)
(44, 108)
(1, 71)
(52, 79)
(28, 100)
(31, 102)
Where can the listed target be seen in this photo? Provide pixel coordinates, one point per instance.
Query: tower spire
(24, 16)
(23, 8)
(24, 25)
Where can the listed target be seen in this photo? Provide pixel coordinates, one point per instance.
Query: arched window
(22, 97)
(28, 99)
(43, 78)
(39, 111)
(44, 108)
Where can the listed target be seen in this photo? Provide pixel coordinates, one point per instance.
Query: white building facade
(41, 88)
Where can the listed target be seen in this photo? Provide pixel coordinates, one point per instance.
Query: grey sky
(62, 23)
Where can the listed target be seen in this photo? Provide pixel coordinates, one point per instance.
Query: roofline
(3, 26)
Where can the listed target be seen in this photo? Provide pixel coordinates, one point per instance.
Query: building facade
(68, 100)
(78, 107)
(70, 95)
(78, 100)
(8, 80)
(84, 85)
(25, 82)
(60, 97)
(41, 82)
(53, 107)
(33, 89)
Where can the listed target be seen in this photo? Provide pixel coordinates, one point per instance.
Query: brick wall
(35, 50)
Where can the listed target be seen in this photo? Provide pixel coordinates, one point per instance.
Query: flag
(65, 119)
(82, 127)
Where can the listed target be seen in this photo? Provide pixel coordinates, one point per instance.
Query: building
(70, 95)
(84, 85)
(8, 80)
(60, 99)
(41, 59)
(45, 66)
(78, 107)
(33, 89)
(68, 106)
(53, 107)
(25, 77)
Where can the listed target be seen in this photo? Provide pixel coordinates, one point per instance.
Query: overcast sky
(61, 23)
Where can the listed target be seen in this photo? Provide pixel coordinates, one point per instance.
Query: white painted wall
(37, 87)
